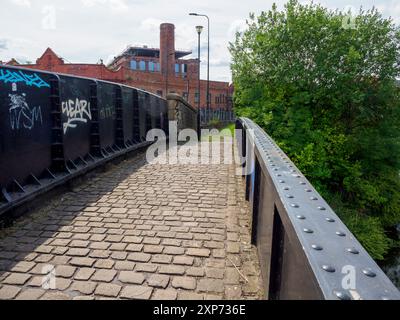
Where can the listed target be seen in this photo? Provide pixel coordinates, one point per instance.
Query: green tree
(326, 91)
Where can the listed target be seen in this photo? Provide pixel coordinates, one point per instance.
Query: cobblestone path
(136, 231)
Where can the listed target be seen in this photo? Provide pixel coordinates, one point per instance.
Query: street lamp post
(208, 59)
(199, 29)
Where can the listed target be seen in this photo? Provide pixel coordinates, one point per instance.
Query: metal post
(199, 29)
(208, 59)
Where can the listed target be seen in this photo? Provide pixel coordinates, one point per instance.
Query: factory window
(196, 97)
(158, 67)
(142, 65)
(185, 95)
(151, 66)
(133, 65)
(184, 68)
(177, 68)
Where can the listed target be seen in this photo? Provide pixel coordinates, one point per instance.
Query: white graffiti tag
(21, 115)
(76, 111)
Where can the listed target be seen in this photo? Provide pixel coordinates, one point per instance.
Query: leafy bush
(328, 96)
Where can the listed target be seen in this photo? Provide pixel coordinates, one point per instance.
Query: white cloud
(22, 3)
(117, 5)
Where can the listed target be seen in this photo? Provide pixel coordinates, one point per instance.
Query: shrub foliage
(326, 92)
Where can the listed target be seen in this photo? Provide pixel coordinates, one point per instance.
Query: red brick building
(158, 70)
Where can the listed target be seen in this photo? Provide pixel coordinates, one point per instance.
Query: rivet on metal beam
(313, 198)
(352, 250)
(281, 181)
(321, 208)
(307, 190)
(369, 273)
(328, 268)
(340, 234)
(300, 217)
(330, 220)
(316, 247)
(286, 188)
(306, 230)
(289, 196)
(302, 183)
(294, 205)
(342, 295)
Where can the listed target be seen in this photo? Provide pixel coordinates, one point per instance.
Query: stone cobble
(136, 231)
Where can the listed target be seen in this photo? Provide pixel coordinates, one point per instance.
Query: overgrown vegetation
(325, 91)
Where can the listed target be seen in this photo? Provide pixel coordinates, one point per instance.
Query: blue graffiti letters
(8, 76)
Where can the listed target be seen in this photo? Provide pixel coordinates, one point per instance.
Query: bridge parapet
(305, 250)
(179, 110)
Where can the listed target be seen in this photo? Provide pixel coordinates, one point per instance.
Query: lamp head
(199, 29)
(193, 14)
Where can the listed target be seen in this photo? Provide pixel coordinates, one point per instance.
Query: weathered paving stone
(104, 275)
(78, 252)
(168, 294)
(216, 273)
(174, 250)
(131, 277)
(145, 267)
(23, 266)
(62, 284)
(104, 263)
(124, 265)
(139, 257)
(84, 287)
(198, 252)
(9, 292)
(55, 295)
(84, 273)
(233, 247)
(107, 289)
(231, 276)
(65, 271)
(183, 260)
(187, 295)
(195, 272)
(210, 285)
(82, 262)
(136, 292)
(158, 281)
(30, 294)
(184, 283)
(170, 269)
(161, 258)
(153, 249)
(134, 247)
(16, 279)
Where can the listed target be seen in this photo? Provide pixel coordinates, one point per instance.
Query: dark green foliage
(327, 95)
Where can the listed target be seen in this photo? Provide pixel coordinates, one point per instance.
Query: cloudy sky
(90, 30)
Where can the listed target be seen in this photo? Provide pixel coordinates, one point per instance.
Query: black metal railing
(305, 250)
(55, 127)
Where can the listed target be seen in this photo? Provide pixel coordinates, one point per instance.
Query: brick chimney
(167, 49)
